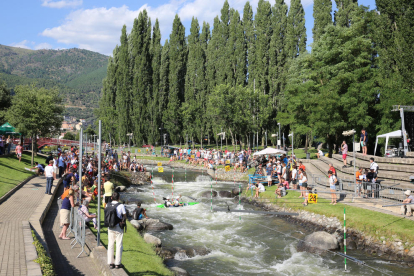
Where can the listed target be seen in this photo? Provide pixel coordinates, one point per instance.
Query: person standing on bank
(116, 233)
(344, 148)
(50, 176)
(364, 140)
(109, 189)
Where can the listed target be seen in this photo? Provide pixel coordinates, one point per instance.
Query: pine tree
(123, 97)
(178, 56)
(296, 30)
(322, 14)
(153, 106)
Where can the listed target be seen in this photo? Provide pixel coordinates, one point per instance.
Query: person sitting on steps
(407, 208)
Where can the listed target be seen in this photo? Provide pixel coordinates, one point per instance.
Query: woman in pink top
(19, 150)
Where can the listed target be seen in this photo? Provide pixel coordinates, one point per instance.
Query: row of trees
(150, 86)
(251, 71)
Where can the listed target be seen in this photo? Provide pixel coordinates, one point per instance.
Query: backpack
(136, 213)
(111, 218)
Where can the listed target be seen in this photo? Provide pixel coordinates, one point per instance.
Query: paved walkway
(20, 207)
(64, 258)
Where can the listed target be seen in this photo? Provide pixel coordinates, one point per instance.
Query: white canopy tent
(270, 151)
(387, 136)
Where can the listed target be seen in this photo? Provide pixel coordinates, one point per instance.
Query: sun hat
(407, 193)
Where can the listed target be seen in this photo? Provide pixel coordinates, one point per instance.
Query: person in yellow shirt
(109, 189)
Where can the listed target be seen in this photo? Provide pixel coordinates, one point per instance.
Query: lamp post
(278, 139)
(292, 142)
(349, 133)
(94, 143)
(274, 135)
(99, 183)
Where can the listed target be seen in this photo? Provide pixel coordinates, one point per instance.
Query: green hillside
(77, 73)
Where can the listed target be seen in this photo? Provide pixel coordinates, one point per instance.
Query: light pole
(349, 133)
(94, 143)
(278, 140)
(266, 138)
(99, 183)
(129, 143)
(292, 142)
(275, 135)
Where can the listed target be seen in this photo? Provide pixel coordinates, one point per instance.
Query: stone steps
(366, 164)
(383, 174)
(389, 160)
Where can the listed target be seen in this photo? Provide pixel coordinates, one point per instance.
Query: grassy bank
(12, 173)
(138, 257)
(371, 223)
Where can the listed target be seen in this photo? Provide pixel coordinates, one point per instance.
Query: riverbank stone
(318, 242)
(148, 238)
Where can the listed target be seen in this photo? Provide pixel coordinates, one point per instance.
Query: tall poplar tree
(224, 30)
(178, 56)
(123, 97)
(142, 76)
(296, 30)
(248, 27)
(153, 101)
(322, 10)
(277, 53)
(107, 108)
(202, 95)
(164, 86)
(342, 16)
(236, 52)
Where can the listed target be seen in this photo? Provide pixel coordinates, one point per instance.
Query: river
(240, 244)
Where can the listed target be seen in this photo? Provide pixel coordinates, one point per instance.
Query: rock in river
(151, 225)
(179, 271)
(226, 194)
(208, 194)
(120, 189)
(235, 191)
(318, 242)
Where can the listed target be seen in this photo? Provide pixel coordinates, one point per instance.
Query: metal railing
(77, 226)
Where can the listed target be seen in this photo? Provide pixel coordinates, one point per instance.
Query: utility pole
(98, 238)
(279, 144)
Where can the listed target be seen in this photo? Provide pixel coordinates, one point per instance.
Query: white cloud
(31, 45)
(22, 44)
(99, 29)
(61, 4)
(42, 46)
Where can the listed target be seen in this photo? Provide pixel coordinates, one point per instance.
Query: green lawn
(138, 257)
(371, 223)
(13, 173)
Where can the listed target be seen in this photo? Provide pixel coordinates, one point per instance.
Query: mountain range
(77, 73)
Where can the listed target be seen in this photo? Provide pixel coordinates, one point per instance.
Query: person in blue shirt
(39, 168)
(269, 172)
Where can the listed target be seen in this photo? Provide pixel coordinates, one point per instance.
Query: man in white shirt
(373, 165)
(116, 234)
(50, 176)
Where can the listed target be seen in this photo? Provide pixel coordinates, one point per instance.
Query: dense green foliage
(167, 89)
(76, 73)
(45, 262)
(250, 73)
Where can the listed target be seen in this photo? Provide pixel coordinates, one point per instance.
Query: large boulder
(159, 226)
(152, 240)
(208, 194)
(179, 271)
(137, 224)
(151, 225)
(226, 194)
(235, 191)
(120, 189)
(318, 242)
(166, 253)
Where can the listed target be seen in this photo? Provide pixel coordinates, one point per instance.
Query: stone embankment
(388, 248)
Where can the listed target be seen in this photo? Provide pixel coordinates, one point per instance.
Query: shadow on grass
(144, 273)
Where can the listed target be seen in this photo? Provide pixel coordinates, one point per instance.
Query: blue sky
(96, 24)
